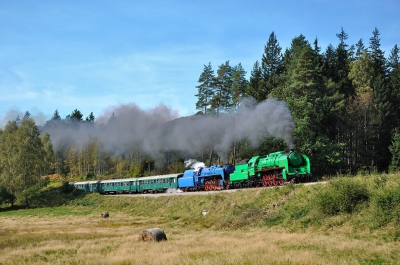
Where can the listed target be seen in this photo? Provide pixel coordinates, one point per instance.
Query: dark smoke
(127, 127)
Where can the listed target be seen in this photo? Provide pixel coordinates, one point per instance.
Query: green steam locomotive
(274, 169)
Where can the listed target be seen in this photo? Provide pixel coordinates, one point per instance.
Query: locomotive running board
(269, 169)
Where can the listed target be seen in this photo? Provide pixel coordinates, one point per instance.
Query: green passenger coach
(118, 186)
(157, 183)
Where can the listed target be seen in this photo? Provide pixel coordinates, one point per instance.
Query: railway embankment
(362, 202)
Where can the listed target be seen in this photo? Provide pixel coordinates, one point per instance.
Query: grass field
(264, 226)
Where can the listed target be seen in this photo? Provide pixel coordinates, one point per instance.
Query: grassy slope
(355, 220)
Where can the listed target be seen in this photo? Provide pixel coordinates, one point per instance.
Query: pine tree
(377, 55)
(384, 103)
(90, 118)
(393, 65)
(222, 99)
(342, 66)
(239, 84)
(255, 83)
(271, 66)
(360, 49)
(56, 116)
(393, 60)
(76, 116)
(205, 89)
(329, 59)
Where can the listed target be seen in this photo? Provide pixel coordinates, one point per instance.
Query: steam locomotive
(274, 169)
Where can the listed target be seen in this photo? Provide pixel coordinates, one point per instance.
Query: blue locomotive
(206, 178)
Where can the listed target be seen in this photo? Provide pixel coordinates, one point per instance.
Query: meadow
(347, 221)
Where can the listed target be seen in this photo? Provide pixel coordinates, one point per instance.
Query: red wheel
(215, 184)
(206, 185)
(227, 185)
(281, 182)
(264, 180)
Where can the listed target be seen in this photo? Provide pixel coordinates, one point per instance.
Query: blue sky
(96, 55)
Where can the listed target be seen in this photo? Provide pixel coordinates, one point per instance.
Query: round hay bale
(153, 234)
(104, 215)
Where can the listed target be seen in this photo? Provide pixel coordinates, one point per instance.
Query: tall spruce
(271, 66)
(255, 83)
(360, 49)
(75, 116)
(384, 105)
(329, 62)
(393, 65)
(222, 99)
(377, 55)
(393, 60)
(342, 66)
(205, 88)
(239, 84)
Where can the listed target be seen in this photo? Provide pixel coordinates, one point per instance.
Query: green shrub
(341, 195)
(6, 197)
(66, 187)
(387, 205)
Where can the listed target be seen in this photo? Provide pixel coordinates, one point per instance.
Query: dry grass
(94, 240)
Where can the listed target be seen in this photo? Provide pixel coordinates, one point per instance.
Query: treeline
(344, 102)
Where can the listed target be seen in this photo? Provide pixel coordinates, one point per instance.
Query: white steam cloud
(193, 163)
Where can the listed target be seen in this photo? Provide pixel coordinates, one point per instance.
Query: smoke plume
(127, 127)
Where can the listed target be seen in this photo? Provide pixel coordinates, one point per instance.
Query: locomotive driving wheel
(265, 180)
(270, 180)
(227, 185)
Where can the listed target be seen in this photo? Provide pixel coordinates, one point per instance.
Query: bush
(341, 195)
(66, 187)
(6, 197)
(387, 205)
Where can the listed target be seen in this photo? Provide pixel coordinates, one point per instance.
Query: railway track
(181, 193)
